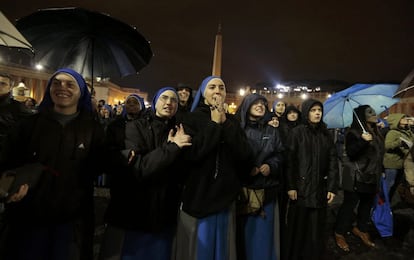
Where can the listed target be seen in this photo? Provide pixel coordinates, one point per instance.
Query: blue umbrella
(339, 108)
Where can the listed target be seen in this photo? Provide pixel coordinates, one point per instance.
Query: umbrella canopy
(406, 88)
(92, 43)
(10, 36)
(338, 109)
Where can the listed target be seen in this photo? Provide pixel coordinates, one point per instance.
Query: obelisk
(217, 54)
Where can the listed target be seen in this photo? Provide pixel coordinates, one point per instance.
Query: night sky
(263, 41)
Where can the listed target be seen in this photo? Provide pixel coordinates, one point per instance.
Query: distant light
(39, 66)
(304, 96)
(98, 79)
(242, 92)
(329, 95)
(280, 95)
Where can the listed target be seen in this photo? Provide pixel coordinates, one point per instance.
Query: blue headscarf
(140, 101)
(200, 92)
(109, 108)
(158, 94)
(84, 102)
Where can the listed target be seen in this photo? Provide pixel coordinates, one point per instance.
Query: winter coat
(312, 166)
(367, 156)
(267, 148)
(395, 149)
(70, 156)
(11, 111)
(144, 196)
(218, 156)
(409, 167)
(285, 125)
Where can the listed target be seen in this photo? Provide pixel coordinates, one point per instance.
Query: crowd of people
(187, 179)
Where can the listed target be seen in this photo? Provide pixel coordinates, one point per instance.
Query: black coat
(368, 156)
(70, 156)
(11, 111)
(219, 154)
(312, 166)
(144, 197)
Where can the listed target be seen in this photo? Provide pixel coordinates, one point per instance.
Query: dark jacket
(69, 155)
(285, 125)
(144, 197)
(11, 111)
(219, 154)
(312, 166)
(367, 155)
(266, 145)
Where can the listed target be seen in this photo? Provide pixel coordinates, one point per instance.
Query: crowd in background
(188, 180)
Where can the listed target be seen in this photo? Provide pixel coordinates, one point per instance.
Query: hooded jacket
(395, 149)
(312, 164)
(266, 144)
(285, 124)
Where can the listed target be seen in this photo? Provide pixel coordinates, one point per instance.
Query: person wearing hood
(311, 183)
(291, 118)
(142, 213)
(258, 232)
(185, 95)
(52, 217)
(278, 111)
(279, 108)
(214, 165)
(398, 141)
(362, 169)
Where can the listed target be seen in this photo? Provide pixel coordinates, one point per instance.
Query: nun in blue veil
(219, 150)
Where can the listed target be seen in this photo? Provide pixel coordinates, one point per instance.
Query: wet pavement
(398, 247)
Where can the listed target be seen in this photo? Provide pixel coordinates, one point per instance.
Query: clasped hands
(218, 113)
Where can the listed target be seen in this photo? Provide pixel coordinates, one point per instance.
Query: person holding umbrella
(362, 169)
(52, 217)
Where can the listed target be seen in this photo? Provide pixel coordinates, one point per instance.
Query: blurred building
(28, 82)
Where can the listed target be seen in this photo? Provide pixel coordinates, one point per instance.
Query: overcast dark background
(263, 41)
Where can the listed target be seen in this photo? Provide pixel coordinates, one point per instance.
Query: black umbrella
(92, 43)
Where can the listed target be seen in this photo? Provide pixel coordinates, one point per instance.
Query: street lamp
(304, 96)
(39, 66)
(242, 92)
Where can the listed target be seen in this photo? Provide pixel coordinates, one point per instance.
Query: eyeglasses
(165, 99)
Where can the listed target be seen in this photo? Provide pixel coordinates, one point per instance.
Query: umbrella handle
(359, 121)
